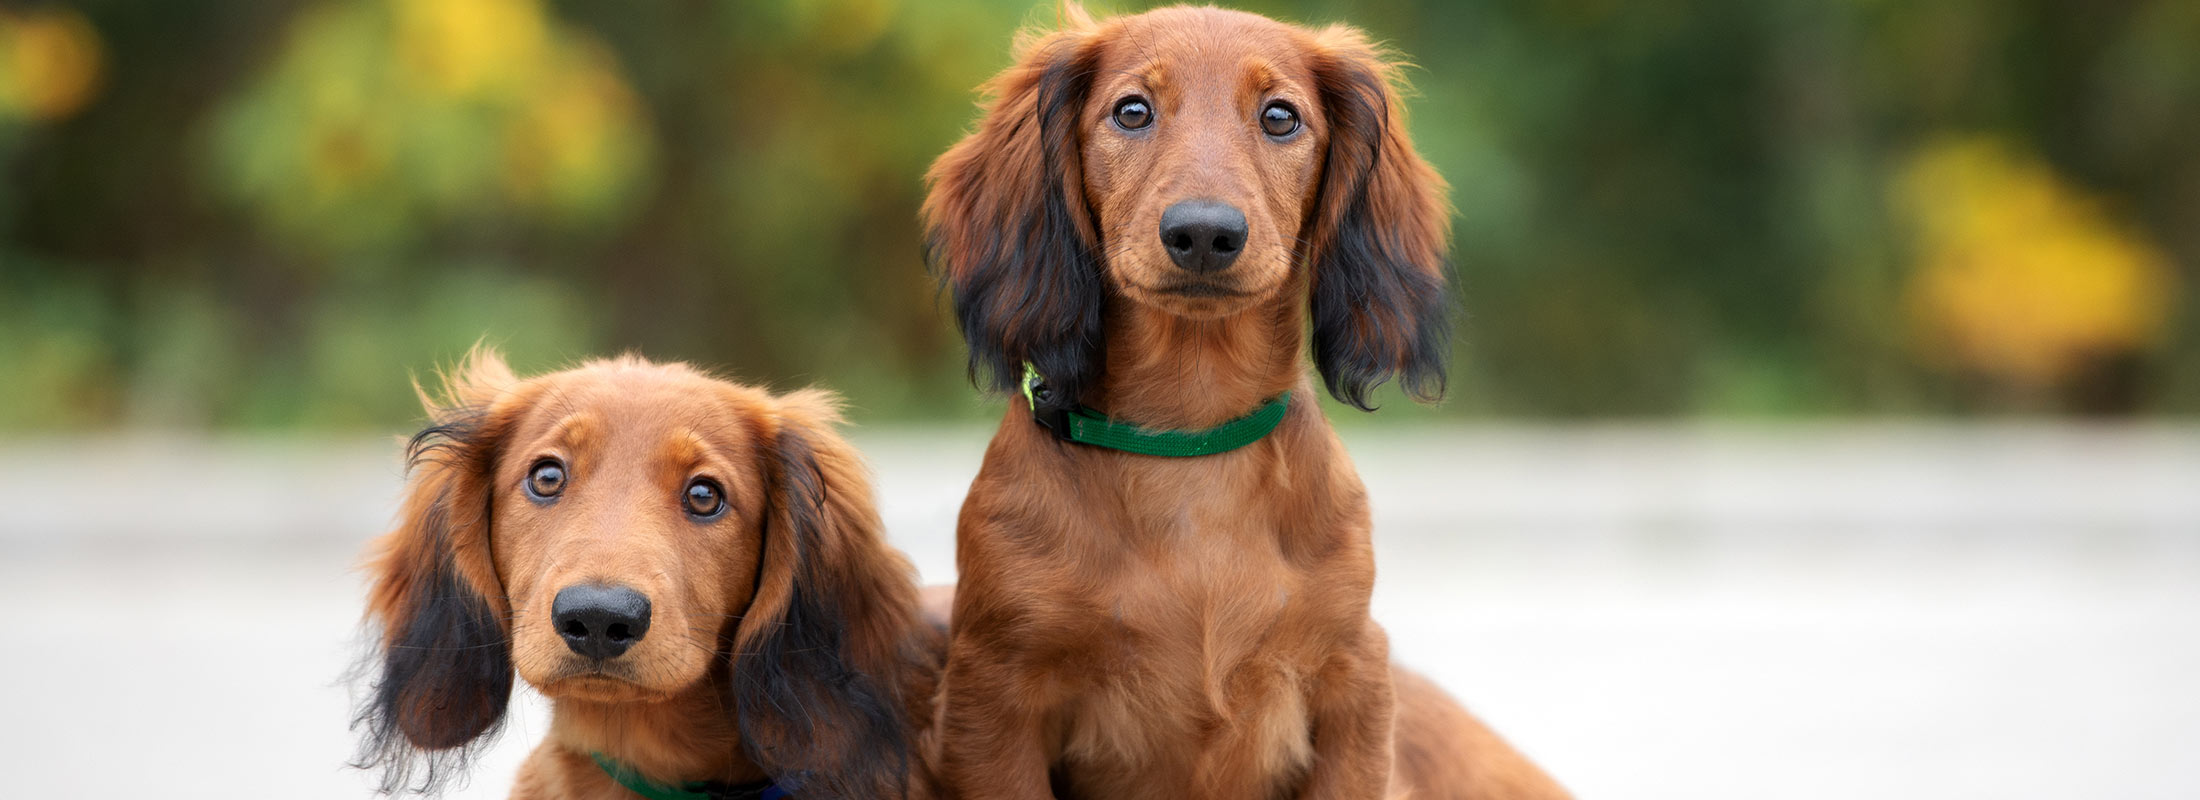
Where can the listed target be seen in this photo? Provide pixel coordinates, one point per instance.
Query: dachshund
(691, 571)
(1133, 626)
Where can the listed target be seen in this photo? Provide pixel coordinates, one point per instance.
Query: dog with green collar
(1165, 560)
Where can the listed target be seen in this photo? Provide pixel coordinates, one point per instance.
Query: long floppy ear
(830, 648)
(1379, 234)
(1007, 229)
(441, 671)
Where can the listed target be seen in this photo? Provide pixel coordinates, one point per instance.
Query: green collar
(1086, 426)
(692, 790)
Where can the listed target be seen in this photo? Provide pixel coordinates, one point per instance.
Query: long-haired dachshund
(691, 571)
(1136, 234)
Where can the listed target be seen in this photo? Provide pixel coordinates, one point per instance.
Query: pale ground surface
(1665, 612)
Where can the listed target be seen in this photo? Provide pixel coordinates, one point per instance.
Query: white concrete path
(1653, 612)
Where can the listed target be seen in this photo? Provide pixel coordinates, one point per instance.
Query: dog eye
(1132, 113)
(704, 498)
(546, 480)
(1279, 119)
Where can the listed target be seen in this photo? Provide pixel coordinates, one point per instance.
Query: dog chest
(1207, 674)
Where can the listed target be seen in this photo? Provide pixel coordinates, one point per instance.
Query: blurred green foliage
(272, 213)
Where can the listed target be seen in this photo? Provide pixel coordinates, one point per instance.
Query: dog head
(1198, 162)
(625, 532)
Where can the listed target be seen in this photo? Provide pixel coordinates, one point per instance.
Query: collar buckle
(1055, 420)
(1036, 391)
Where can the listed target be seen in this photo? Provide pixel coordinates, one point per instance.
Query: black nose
(600, 621)
(1203, 235)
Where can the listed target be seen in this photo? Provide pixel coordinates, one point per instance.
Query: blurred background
(266, 215)
(1821, 419)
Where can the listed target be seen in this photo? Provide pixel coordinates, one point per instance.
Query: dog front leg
(1352, 718)
(989, 742)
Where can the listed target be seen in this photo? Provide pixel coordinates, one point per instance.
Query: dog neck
(1166, 371)
(691, 736)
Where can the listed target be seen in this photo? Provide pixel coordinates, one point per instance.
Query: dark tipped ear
(1007, 229)
(829, 644)
(1378, 237)
(441, 671)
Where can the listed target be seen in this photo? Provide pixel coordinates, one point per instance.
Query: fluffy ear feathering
(1009, 231)
(1006, 224)
(1380, 231)
(442, 671)
(832, 633)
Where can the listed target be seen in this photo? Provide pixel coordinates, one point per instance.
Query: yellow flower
(2018, 274)
(383, 117)
(576, 139)
(49, 63)
(464, 48)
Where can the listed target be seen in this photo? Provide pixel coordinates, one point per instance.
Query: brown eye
(546, 480)
(1133, 113)
(704, 499)
(1279, 120)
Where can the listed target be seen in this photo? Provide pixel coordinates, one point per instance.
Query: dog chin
(1202, 308)
(599, 689)
(1202, 303)
(1162, 287)
(613, 682)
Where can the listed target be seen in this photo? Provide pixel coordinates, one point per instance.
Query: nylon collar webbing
(1086, 426)
(691, 790)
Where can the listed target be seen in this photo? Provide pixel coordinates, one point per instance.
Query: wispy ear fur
(1379, 234)
(441, 671)
(827, 673)
(1007, 229)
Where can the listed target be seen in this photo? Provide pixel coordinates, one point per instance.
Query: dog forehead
(1201, 24)
(1179, 51)
(668, 409)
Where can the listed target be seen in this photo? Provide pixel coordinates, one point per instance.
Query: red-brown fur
(1130, 626)
(785, 635)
